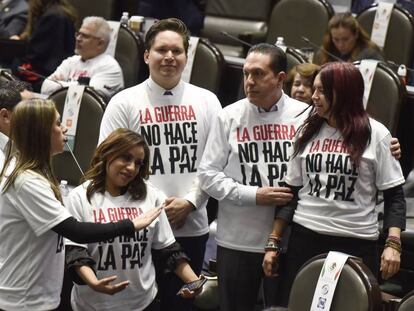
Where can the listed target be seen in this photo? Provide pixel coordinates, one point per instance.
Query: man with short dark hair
(243, 167)
(175, 118)
(90, 62)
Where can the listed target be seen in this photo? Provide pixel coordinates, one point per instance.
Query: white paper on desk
(381, 22)
(186, 76)
(328, 279)
(114, 37)
(367, 69)
(71, 112)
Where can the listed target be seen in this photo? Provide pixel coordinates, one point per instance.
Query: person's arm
(107, 79)
(395, 148)
(58, 79)
(87, 232)
(103, 285)
(283, 217)
(16, 24)
(394, 223)
(218, 185)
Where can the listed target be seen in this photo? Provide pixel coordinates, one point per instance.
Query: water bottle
(63, 187)
(402, 73)
(124, 18)
(280, 42)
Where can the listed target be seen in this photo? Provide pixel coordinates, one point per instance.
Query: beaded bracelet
(273, 244)
(394, 243)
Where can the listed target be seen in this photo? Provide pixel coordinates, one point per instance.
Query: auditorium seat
(357, 288)
(129, 52)
(237, 17)
(386, 97)
(399, 43)
(208, 66)
(87, 134)
(407, 303)
(292, 19)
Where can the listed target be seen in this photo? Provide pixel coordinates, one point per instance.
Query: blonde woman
(33, 219)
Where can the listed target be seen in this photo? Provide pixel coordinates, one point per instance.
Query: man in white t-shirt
(174, 117)
(243, 167)
(9, 97)
(91, 65)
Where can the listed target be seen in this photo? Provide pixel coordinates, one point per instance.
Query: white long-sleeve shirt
(104, 71)
(248, 149)
(176, 128)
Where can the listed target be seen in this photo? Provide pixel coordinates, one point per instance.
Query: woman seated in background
(299, 82)
(341, 160)
(33, 219)
(346, 40)
(116, 185)
(50, 33)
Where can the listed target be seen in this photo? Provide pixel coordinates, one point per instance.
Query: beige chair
(6, 76)
(292, 19)
(236, 17)
(208, 66)
(407, 303)
(399, 43)
(129, 53)
(356, 290)
(386, 97)
(104, 8)
(87, 134)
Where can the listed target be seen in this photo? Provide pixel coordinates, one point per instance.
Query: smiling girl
(116, 184)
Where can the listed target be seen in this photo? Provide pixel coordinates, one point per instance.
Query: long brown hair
(343, 87)
(30, 134)
(116, 144)
(347, 21)
(38, 7)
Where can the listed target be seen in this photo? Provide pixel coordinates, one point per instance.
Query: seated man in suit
(90, 64)
(13, 17)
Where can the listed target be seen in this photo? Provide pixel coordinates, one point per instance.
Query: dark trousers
(169, 284)
(305, 244)
(239, 277)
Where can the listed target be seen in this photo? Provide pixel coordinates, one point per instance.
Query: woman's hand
(104, 286)
(147, 218)
(270, 264)
(390, 262)
(186, 293)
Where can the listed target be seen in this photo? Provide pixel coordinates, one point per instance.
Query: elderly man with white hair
(90, 61)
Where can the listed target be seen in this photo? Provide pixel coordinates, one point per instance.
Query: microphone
(73, 156)
(226, 34)
(307, 41)
(21, 69)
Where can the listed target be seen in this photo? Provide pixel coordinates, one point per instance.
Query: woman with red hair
(341, 159)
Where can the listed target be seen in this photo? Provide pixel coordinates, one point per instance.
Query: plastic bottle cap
(402, 70)
(63, 182)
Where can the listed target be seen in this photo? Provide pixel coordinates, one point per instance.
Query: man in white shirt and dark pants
(90, 62)
(175, 118)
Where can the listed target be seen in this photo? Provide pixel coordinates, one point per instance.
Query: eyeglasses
(85, 36)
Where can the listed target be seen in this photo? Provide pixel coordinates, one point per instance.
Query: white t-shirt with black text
(32, 256)
(129, 258)
(338, 198)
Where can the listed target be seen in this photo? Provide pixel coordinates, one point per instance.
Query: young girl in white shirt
(116, 187)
